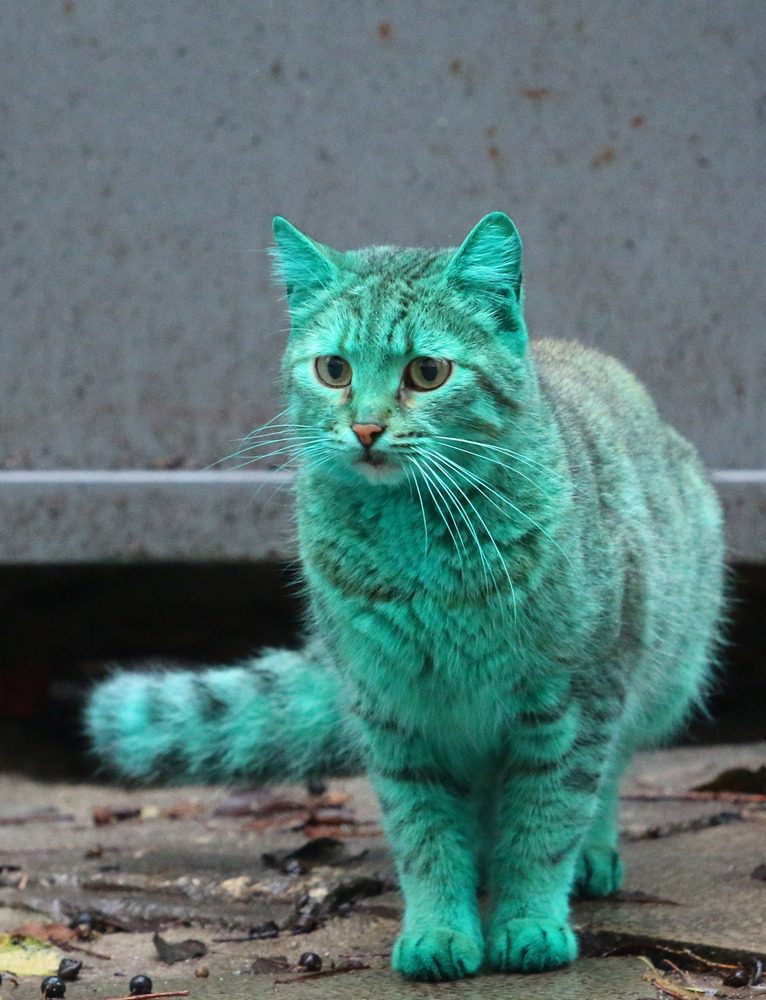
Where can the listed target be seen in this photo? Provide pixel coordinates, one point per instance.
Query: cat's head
(392, 349)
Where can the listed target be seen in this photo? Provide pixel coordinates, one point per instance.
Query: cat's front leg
(430, 822)
(543, 811)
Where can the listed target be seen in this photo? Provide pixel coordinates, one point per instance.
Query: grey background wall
(145, 146)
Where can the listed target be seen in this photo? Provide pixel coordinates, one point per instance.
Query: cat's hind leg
(598, 871)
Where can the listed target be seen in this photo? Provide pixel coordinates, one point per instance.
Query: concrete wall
(145, 146)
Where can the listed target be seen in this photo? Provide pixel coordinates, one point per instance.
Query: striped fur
(523, 589)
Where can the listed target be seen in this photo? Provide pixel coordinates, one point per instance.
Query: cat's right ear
(487, 268)
(305, 266)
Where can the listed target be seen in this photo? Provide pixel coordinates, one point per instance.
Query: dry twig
(324, 973)
(742, 798)
(155, 996)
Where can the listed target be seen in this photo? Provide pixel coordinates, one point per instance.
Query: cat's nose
(367, 433)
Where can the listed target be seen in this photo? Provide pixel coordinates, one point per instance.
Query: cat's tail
(276, 718)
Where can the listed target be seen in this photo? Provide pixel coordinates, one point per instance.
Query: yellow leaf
(28, 956)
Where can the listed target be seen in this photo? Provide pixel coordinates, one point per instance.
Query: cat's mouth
(375, 467)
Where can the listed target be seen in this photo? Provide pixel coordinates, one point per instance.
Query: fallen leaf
(183, 810)
(320, 851)
(315, 832)
(345, 832)
(351, 891)
(264, 964)
(28, 956)
(104, 815)
(737, 779)
(49, 933)
(287, 820)
(259, 932)
(256, 803)
(263, 931)
(171, 953)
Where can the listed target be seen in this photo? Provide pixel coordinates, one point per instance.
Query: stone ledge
(137, 515)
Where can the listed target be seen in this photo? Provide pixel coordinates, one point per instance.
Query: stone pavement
(189, 864)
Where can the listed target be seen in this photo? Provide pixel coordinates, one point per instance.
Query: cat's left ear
(488, 268)
(305, 266)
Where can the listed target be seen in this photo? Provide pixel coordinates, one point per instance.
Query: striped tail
(276, 718)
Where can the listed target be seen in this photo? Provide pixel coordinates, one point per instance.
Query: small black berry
(140, 985)
(310, 961)
(52, 987)
(740, 977)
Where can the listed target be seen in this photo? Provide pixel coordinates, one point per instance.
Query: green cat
(514, 570)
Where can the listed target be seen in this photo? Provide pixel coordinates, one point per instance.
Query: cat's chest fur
(429, 632)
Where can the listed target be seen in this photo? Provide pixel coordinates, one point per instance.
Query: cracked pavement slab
(181, 868)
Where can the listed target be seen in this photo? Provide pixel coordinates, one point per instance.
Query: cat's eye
(424, 374)
(333, 370)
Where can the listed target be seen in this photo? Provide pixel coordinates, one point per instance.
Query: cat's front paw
(528, 945)
(598, 872)
(436, 954)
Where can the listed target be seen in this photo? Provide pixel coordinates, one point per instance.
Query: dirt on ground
(272, 891)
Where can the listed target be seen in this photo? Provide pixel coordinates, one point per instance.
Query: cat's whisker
(309, 462)
(434, 471)
(285, 437)
(435, 462)
(280, 468)
(252, 440)
(485, 489)
(438, 506)
(268, 423)
(296, 452)
(512, 454)
(456, 534)
(312, 465)
(307, 457)
(497, 461)
(487, 569)
(274, 429)
(291, 441)
(413, 480)
(307, 451)
(295, 449)
(252, 435)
